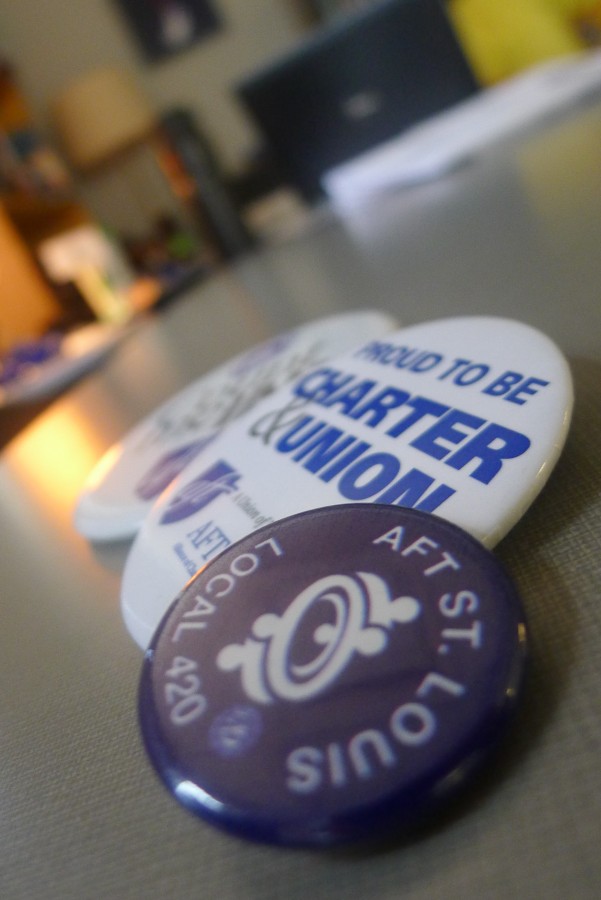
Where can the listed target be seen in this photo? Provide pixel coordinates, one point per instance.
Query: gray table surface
(516, 233)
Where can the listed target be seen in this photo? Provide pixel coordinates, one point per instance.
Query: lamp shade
(99, 115)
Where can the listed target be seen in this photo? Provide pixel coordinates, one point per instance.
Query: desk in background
(514, 234)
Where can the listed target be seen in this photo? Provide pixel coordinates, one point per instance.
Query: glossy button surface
(462, 417)
(131, 475)
(333, 675)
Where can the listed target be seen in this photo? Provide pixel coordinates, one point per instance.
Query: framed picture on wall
(322, 10)
(165, 27)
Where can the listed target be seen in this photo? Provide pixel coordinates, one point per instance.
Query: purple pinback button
(333, 674)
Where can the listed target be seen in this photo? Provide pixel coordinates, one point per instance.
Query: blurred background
(129, 165)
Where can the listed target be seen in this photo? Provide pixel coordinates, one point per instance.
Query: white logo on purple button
(363, 612)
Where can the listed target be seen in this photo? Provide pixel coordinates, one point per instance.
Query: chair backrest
(354, 84)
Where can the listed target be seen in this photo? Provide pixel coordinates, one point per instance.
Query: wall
(52, 41)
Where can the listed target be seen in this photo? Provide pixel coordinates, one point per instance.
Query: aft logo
(344, 616)
(359, 661)
(219, 479)
(169, 467)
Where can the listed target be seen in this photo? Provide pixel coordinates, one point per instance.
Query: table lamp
(100, 115)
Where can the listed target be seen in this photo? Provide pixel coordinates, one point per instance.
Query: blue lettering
(386, 466)
(320, 384)
(347, 400)
(380, 405)
(502, 384)
(345, 460)
(426, 362)
(529, 387)
(385, 354)
(471, 374)
(405, 358)
(289, 442)
(324, 448)
(421, 407)
(444, 430)
(509, 445)
(456, 364)
(408, 490)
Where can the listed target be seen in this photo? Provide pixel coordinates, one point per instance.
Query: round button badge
(126, 481)
(333, 675)
(462, 417)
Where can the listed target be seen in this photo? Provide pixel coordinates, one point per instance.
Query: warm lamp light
(100, 115)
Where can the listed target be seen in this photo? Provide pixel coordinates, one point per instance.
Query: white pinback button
(123, 485)
(462, 417)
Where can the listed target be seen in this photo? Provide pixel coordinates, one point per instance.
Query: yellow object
(503, 37)
(14, 112)
(27, 305)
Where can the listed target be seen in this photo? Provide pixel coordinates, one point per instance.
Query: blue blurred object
(28, 354)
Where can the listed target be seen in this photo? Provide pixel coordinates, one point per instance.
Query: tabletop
(513, 233)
